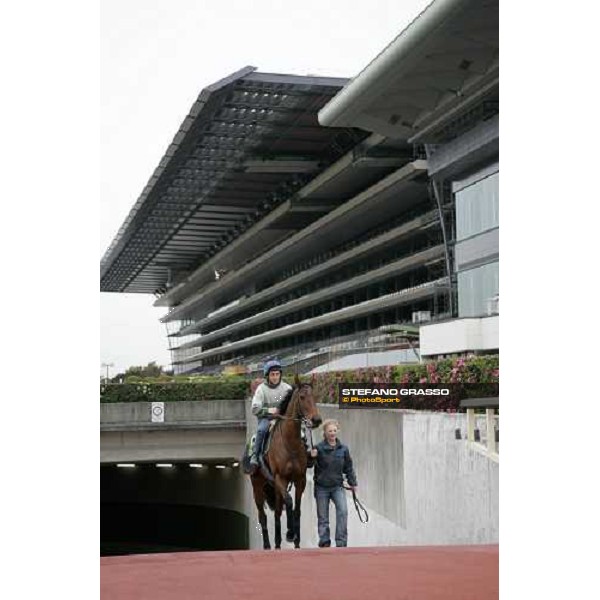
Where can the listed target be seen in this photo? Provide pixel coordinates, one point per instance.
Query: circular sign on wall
(158, 412)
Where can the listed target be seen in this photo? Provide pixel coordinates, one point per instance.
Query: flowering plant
(472, 369)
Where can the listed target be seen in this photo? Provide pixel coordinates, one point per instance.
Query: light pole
(107, 365)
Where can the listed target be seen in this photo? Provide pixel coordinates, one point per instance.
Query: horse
(286, 459)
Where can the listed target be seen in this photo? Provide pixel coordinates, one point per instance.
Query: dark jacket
(331, 463)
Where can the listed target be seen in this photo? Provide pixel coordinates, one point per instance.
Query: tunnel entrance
(130, 528)
(146, 509)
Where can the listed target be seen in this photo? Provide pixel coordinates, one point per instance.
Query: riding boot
(258, 443)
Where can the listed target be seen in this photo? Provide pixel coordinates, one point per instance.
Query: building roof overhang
(249, 142)
(439, 67)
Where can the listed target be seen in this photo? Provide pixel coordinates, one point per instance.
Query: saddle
(263, 451)
(248, 470)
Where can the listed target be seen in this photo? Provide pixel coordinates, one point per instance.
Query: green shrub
(473, 370)
(174, 391)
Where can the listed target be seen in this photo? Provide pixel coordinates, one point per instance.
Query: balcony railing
(491, 405)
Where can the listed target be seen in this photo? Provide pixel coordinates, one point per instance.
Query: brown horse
(286, 459)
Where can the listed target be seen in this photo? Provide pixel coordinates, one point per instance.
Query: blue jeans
(261, 431)
(338, 496)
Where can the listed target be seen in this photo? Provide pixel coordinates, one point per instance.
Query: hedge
(173, 392)
(464, 371)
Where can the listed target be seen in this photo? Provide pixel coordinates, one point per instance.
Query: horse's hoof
(296, 544)
(289, 537)
(266, 547)
(277, 547)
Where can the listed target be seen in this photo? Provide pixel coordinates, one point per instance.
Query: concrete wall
(419, 484)
(196, 430)
(171, 445)
(131, 415)
(364, 359)
(460, 335)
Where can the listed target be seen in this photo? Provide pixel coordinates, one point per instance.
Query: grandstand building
(310, 218)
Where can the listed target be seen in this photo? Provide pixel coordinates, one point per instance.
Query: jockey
(265, 403)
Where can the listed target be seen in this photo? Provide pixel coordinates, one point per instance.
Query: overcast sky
(156, 57)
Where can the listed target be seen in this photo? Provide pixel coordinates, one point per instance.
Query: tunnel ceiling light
(220, 466)
(196, 465)
(235, 464)
(125, 465)
(164, 465)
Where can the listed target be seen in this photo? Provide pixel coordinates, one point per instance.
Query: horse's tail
(269, 491)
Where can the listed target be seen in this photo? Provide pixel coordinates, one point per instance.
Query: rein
(302, 418)
(358, 505)
(307, 422)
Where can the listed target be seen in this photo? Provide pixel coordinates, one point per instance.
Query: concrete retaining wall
(132, 415)
(194, 430)
(194, 445)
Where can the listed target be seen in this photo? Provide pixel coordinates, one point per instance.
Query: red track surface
(389, 573)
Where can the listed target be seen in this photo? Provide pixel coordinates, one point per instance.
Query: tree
(150, 370)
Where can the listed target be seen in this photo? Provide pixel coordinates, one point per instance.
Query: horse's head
(306, 401)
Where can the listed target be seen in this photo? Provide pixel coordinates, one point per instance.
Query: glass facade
(476, 289)
(477, 207)
(477, 211)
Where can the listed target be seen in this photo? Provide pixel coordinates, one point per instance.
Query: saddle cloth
(267, 441)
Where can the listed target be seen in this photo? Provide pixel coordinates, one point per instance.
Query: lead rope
(359, 506)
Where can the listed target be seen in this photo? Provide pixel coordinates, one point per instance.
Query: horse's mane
(287, 399)
(285, 403)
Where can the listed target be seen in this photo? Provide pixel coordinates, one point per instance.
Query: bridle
(303, 418)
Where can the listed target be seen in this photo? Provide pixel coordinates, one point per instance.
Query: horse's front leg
(299, 488)
(262, 519)
(259, 500)
(280, 491)
(289, 506)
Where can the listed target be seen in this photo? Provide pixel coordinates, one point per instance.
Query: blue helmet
(270, 365)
